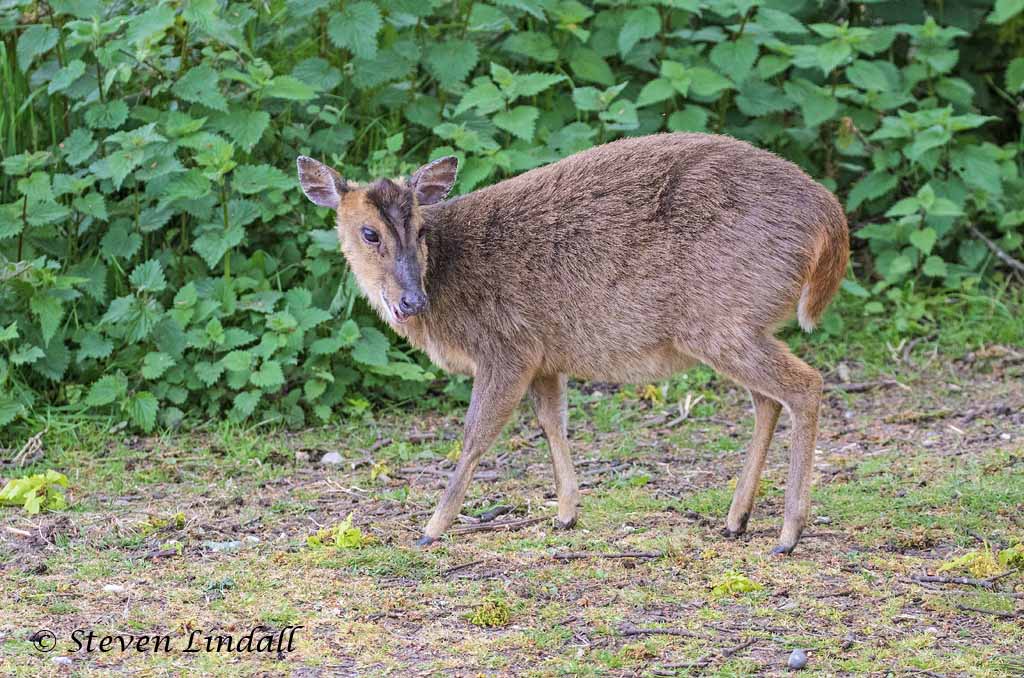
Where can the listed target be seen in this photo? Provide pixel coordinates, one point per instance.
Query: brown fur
(626, 262)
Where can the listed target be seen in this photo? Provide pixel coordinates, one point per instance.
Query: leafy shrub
(36, 492)
(158, 261)
(343, 536)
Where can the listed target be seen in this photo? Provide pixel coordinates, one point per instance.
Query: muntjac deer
(626, 262)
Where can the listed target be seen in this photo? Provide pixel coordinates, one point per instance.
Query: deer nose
(412, 303)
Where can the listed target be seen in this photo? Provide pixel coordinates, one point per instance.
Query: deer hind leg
(494, 398)
(765, 365)
(766, 416)
(548, 394)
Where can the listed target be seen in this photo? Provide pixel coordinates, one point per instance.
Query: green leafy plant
(493, 612)
(343, 536)
(37, 492)
(732, 583)
(158, 263)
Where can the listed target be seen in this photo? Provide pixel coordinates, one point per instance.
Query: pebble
(218, 546)
(251, 539)
(331, 459)
(1004, 436)
(61, 661)
(798, 660)
(823, 520)
(113, 588)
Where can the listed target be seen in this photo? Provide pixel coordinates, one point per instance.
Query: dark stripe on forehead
(394, 202)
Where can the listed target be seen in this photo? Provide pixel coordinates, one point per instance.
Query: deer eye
(371, 236)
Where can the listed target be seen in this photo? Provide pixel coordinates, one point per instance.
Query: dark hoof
(781, 550)
(559, 525)
(732, 534)
(424, 541)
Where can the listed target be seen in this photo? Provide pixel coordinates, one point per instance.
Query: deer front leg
(549, 402)
(495, 396)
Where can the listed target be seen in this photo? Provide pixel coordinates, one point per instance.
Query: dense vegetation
(157, 260)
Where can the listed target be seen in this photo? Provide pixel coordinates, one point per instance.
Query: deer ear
(321, 184)
(433, 181)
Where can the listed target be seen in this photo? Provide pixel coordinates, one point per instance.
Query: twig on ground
(160, 553)
(995, 613)
(624, 554)
(860, 387)
(20, 533)
(997, 250)
(457, 568)
(496, 512)
(707, 659)
(684, 410)
(912, 343)
(631, 630)
(496, 527)
(966, 581)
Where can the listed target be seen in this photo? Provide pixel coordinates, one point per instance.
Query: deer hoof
(424, 541)
(781, 550)
(565, 524)
(732, 534)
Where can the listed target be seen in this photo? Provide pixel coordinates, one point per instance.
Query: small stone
(331, 459)
(823, 520)
(797, 660)
(61, 661)
(1004, 436)
(219, 546)
(251, 539)
(113, 588)
(302, 457)
(934, 630)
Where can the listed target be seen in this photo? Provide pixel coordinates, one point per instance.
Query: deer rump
(631, 260)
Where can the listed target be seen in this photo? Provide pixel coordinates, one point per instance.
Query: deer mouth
(395, 314)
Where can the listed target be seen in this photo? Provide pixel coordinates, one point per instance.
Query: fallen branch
(997, 250)
(860, 387)
(994, 613)
(20, 533)
(630, 630)
(497, 527)
(966, 581)
(624, 554)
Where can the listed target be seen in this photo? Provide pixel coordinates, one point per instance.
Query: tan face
(385, 248)
(381, 230)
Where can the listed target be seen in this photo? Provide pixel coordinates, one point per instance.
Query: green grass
(895, 507)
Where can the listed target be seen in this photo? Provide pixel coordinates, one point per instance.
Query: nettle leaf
(534, 8)
(26, 355)
(94, 345)
(269, 376)
(249, 179)
(536, 46)
(655, 91)
(1003, 12)
(529, 84)
(109, 115)
(155, 364)
(149, 277)
(25, 163)
(199, 85)
(106, 390)
(520, 121)
(735, 59)
(49, 311)
(1015, 75)
(245, 127)
(118, 243)
(484, 96)
(451, 61)
(486, 19)
(587, 64)
(371, 348)
(640, 24)
(704, 82)
(873, 186)
(238, 361)
(35, 40)
(91, 204)
(150, 25)
(244, 404)
(778, 21)
(208, 372)
(78, 146)
(690, 119)
(66, 77)
(924, 239)
(142, 408)
(287, 87)
(355, 28)
(214, 243)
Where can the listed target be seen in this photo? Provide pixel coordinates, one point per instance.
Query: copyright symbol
(43, 640)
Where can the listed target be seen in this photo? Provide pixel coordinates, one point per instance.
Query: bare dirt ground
(919, 490)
